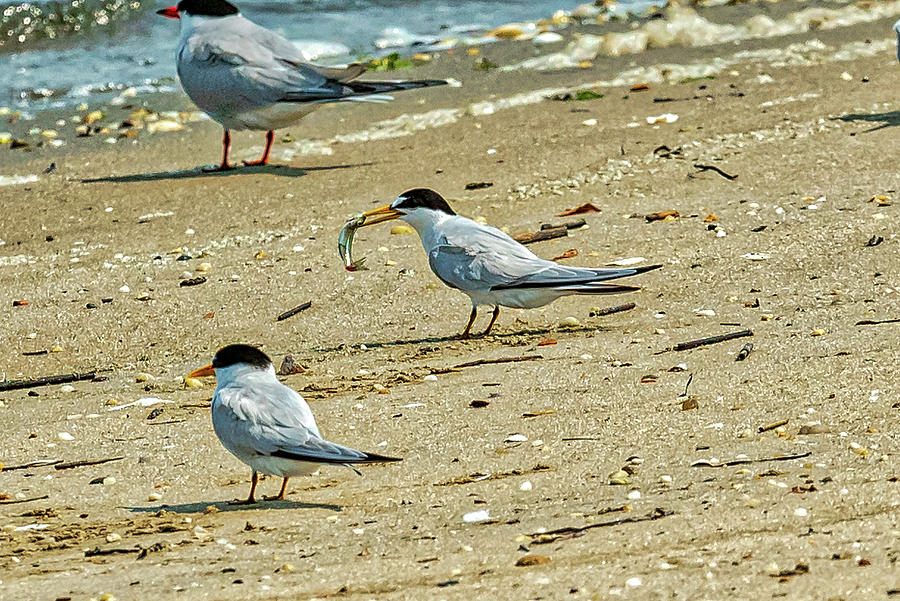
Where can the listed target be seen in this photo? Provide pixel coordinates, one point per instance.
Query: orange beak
(171, 12)
(385, 213)
(202, 372)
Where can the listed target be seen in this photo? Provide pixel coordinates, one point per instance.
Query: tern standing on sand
(897, 29)
(247, 77)
(489, 266)
(267, 425)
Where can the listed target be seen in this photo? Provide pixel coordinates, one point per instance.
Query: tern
(247, 77)
(266, 424)
(897, 29)
(489, 266)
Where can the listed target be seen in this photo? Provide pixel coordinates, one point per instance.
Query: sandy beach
(609, 464)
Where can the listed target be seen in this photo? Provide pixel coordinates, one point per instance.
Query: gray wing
(472, 256)
(257, 67)
(273, 423)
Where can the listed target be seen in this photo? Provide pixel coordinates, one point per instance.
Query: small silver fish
(345, 243)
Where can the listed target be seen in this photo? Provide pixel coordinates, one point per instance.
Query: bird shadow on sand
(891, 119)
(513, 336)
(201, 506)
(279, 170)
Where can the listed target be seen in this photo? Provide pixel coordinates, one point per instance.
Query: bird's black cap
(241, 353)
(207, 8)
(423, 198)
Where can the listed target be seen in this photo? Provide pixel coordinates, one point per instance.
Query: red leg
(226, 146)
(280, 496)
(465, 333)
(250, 500)
(493, 319)
(270, 137)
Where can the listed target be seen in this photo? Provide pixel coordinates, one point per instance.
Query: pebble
(125, 289)
(204, 267)
(67, 388)
(113, 537)
(430, 378)
(801, 512)
(589, 122)
(619, 478)
(569, 322)
(109, 480)
(154, 497)
(818, 332)
(193, 383)
(65, 436)
(402, 229)
(634, 495)
(665, 479)
(142, 377)
(526, 486)
(476, 516)
(516, 438)
(705, 312)
(633, 582)
(92, 117)
(664, 118)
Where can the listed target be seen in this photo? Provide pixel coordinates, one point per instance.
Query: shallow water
(57, 53)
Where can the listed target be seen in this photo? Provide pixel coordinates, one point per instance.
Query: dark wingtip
(646, 268)
(376, 458)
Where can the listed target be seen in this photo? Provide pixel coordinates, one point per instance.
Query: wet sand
(712, 507)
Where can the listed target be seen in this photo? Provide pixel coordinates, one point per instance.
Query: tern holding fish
(267, 425)
(482, 261)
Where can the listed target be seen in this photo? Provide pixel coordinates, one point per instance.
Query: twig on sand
(875, 322)
(14, 501)
(557, 232)
(25, 466)
(98, 552)
(727, 176)
(447, 370)
(683, 346)
(46, 381)
(70, 464)
(569, 225)
(611, 310)
(294, 311)
(543, 538)
(773, 425)
(705, 463)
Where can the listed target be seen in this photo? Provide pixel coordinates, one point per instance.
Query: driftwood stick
(46, 381)
(447, 370)
(611, 310)
(704, 463)
(25, 466)
(540, 236)
(727, 176)
(875, 322)
(683, 346)
(294, 311)
(569, 225)
(70, 464)
(98, 552)
(543, 538)
(14, 501)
